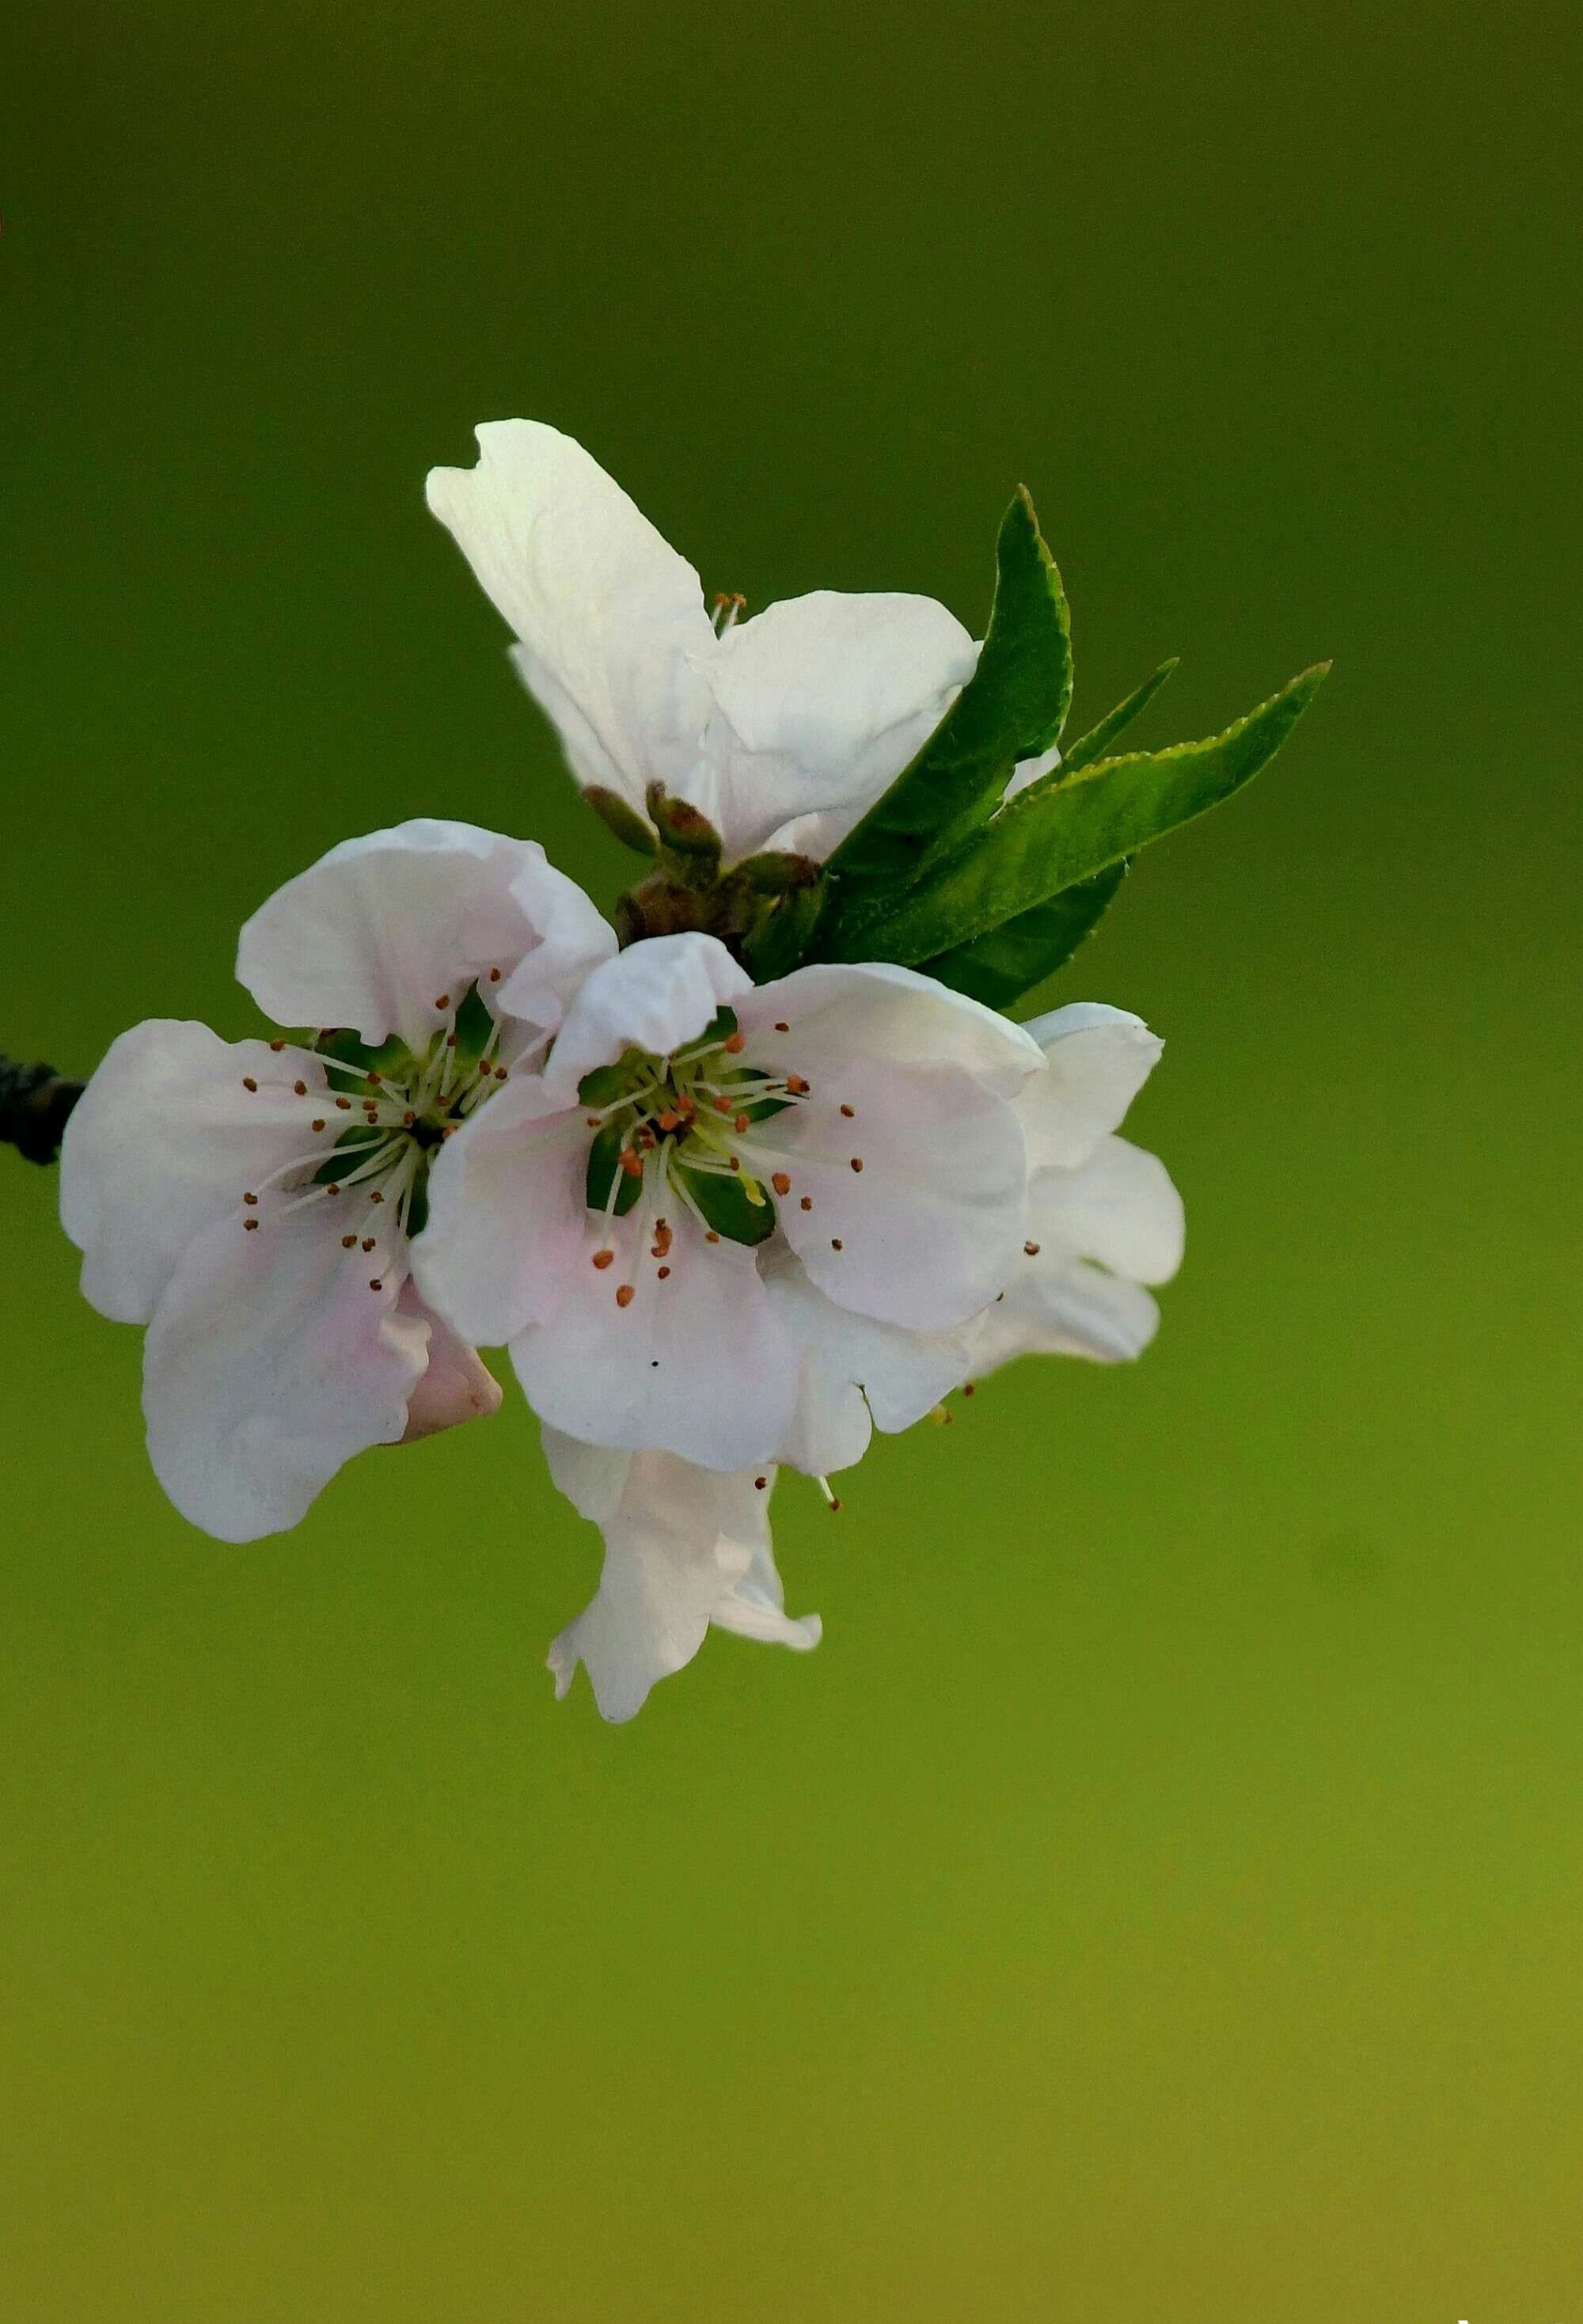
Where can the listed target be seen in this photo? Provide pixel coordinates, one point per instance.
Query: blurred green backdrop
(1160, 1896)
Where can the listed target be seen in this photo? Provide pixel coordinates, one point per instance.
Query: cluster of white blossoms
(722, 1227)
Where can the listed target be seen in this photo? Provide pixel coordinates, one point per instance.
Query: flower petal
(910, 1156)
(164, 1142)
(657, 996)
(269, 1361)
(697, 1364)
(1100, 1058)
(857, 1375)
(507, 1214)
(374, 933)
(1070, 1309)
(609, 617)
(684, 1547)
(821, 700)
(457, 1385)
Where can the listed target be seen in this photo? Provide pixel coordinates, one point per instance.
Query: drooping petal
(164, 1142)
(1098, 1059)
(696, 1363)
(269, 1361)
(507, 1214)
(611, 620)
(904, 1147)
(1071, 1308)
(821, 700)
(684, 1547)
(381, 931)
(657, 995)
(1120, 1208)
(457, 1385)
(857, 1375)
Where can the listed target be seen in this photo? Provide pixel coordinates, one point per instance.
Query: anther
(408, 1119)
(348, 1243)
(941, 1417)
(624, 1295)
(796, 1084)
(319, 1124)
(735, 1160)
(662, 1273)
(734, 1043)
(807, 1202)
(592, 1121)
(603, 1258)
(723, 1105)
(850, 1111)
(376, 1198)
(443, 1001)
(374, 1080)
(762, 1483)
(1030, 1249)
(376, 1283)
(632, 1164)
(344, 1104)
(248, 1082)
(742, 1121)
(857, 1161)
(278, 1045)
(250, 1224)
(368, 1242)
(250, 1198)
(494, 976)
(450, 1040)
(300, 1088)
(970, 1388)
(710, 1235)
(780, 1182)
(334, 1189)
(782, 1026)
(835, 1243)
(500, 1072)
(667, 1121)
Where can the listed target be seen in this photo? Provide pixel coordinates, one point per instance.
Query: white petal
(268, 1364)
(1100, 1058)
(164, 1142)
(457, 1385)
(657, 996)
(610, 617)
(684, 1548)
(507, 1212)
(375, 933)
(1029, 771)
(821, 700)
(592, 1477)
(1120, 1208)
(918, 1194)
(698, 1365)
(1070, 1308)
(856, 1374)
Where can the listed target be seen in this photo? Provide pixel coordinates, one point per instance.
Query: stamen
(625, 1295)
(970, 1388)
(850, 1111)
(443, 1001)
(824, 1485)
(248, 1082)
(857, 1162)
(250, 1198)
(494, 976)
(781, 1183)
(348, 1243)
(344, 1104)
(762, 1483)
(662, 1273)
(319, 1124)
(836, 1244)
(940, 1415)
(1031, 1250)
(251, 1225)
(368, 1242)
(796, 1084)
(734, 1043)
(807, 1202)
(782, 1026)
(300, 1088)
(376, 1283)
(278, 1044)
(602, 1259)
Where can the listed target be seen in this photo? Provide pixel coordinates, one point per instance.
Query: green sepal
(727, 1205)
(1003, 964)
(686, 835)
(418, 1206)
(1012, 707)
(354, 1145)
(782, 936)
(1053, 836)
(1098, 740)
(608, 1084)
(473, 1027)
(625, 822)
(604, 1166)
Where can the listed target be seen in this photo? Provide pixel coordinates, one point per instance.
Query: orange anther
(603, 1258)
(248, 1082)
(857, 1161)
(250, 1224)
(807, 1201)
(781, 1183)
(663, 1272)
(1031, 1250)
(348, 1243)
(796, 1084)
(850, 1111)
(734, 1043)
(625, 1296)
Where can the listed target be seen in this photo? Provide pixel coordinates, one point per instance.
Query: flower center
(374, 1128)
(693, 1129)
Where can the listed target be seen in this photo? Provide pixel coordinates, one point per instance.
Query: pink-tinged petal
(657, 995)
(457, 1385)
(1099, 1060)
(611, 620)
(269, 1361)
(684, 1547)
(1070, 1308)
(507, 1212)
(695, 1363)
(857, 1375)
(902, 1142)
(386, 932)
(164, 1142)
(821, 700)
(1120, 1208)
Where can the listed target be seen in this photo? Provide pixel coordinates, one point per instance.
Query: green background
(1159, 1898)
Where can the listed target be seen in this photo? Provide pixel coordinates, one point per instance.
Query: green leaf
(728, 1206)
(999, 966)
(1098, 740)
(1053, 836)
(1012, 707)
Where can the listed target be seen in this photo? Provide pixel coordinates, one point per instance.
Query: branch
(34, 1102)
